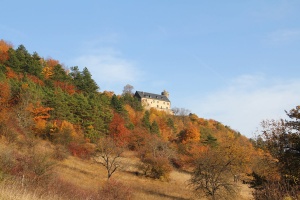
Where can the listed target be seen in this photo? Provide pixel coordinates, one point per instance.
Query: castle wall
(157, 104)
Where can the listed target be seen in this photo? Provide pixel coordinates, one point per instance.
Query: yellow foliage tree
(49, 65)
(67, 126)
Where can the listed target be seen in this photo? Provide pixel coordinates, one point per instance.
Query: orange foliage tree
(10, 73)
(40, 115)
(118, 130)
(70, 89)
(189, 134)
(4, 47)
(5, 94)
(134, 116)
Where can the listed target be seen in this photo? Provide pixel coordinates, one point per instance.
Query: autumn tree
(108, 154)
(189, 134)
(282, 139)
(5, 95)
(48, 66)
(40, 116)
(4, 47)
(155, 156)
(212, 176)
(118, 131)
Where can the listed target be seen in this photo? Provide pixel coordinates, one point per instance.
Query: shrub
(33, 166)
(81, 150)
(156, 167)
(276, 190)
(60, 152)
(113, 189)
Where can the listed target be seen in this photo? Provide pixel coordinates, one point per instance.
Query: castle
(157, 101)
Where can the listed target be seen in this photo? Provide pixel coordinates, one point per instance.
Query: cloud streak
(284, 36)
(248, 100)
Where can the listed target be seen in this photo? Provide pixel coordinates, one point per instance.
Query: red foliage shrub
(84, 150)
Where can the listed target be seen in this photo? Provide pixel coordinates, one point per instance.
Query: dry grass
(86, 177)
(92, 176)
(12, 190)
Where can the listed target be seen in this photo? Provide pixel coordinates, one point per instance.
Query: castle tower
(165, 93)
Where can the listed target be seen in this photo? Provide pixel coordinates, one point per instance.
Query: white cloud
(108, 66)
(109, 70)
(248, 100)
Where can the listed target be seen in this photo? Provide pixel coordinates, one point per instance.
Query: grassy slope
(90, 176)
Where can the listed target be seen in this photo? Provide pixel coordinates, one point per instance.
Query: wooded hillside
(43, 100)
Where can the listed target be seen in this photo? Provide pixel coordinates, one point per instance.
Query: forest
(50, 113)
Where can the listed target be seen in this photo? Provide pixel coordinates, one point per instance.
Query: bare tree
(108, 154)
(127, 89)
(181, 111)
(212, 176)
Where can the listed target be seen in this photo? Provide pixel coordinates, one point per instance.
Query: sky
(233, 61)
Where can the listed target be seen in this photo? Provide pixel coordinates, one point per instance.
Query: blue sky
(233, 61)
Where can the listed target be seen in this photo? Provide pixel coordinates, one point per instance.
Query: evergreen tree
(83, 80)
(146, 120)
(34, 65)
(89, 85)
(154, 128)
(117, 104)
(62, 103)
(129, 99)
(59, 74)
(210, 141)
(101, 112)
(21, 61)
